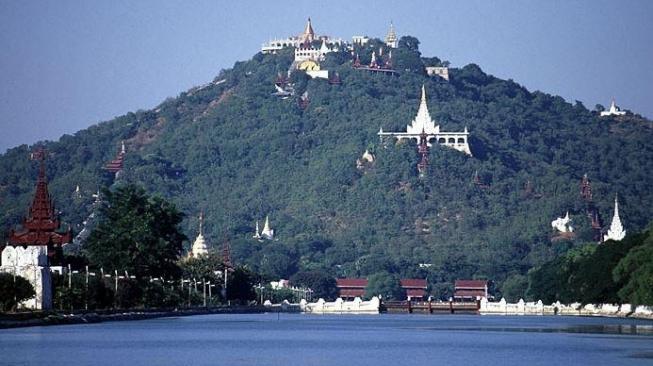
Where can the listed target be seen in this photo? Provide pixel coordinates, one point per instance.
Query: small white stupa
(267, 232)
(256, 233)
(199, 246)
(613, 111)
(563, 224)
(616, 231)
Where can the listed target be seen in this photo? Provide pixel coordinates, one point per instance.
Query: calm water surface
(296, 339)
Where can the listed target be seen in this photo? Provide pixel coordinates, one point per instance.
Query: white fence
(538, 308)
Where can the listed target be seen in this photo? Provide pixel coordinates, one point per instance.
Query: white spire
(256, 233)
(199, 246)
(122, 147)
(423, 121)
(616, 231)
(267, 232)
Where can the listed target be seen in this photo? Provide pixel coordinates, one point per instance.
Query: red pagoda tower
(41, 225)
(423, 150)
(586, 188)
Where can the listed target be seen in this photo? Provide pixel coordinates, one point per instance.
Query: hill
(239, 153)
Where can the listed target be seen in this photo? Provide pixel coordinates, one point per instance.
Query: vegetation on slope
(232, 149)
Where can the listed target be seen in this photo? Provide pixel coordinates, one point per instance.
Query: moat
(386, 339)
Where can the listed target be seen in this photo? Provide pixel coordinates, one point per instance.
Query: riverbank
(33, 319)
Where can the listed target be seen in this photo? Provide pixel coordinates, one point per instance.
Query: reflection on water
(633, 329)
(380, 340)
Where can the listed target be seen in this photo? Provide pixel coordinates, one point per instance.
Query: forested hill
(239, 153)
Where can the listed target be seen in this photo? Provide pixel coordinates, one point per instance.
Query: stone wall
(538, 308)
(30, 263)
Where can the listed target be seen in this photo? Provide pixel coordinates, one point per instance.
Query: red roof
(351, 292)
(415, 293)
(417, 283)
(469, 293)
(473, 284)
(351, 282)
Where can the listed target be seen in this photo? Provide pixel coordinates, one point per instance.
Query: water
(296, 339)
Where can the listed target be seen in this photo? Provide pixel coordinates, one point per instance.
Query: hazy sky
(65, 65)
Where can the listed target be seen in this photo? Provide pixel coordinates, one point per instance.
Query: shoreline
(22, 320)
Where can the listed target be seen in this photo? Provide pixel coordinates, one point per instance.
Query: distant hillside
(239, 153)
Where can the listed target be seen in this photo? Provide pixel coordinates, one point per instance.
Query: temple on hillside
(563, 224)
(423, 125)
(613, 110)
(616, 231)
(267, 233)
(116, 165)
(42, 227)
(199, 247)
(378, 64)
(586, 188)
(302, 41)
(391, 39)
(591, 210)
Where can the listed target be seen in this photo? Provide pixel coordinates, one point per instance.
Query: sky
(66, 65)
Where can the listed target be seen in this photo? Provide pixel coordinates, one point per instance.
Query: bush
(14, 290)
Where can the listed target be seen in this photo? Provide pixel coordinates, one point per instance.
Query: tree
(409, 42)
(323, 285)
(137, 233)
(386, 285)
(240, 285)
(13, 291)
(203, 267)
(635, 270)
(514, 287)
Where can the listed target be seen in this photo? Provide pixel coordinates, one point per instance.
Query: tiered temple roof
(41, 226)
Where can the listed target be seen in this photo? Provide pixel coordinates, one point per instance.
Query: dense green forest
(235, 151)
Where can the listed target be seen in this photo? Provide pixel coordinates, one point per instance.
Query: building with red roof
(415, 288)
(466, 290)
(349, 288)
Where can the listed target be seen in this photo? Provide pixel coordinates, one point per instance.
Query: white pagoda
(199, 246)
(616, 231)
(391, 38)
(613, 111)
(267, 233)
(423, 123)
(563, 224)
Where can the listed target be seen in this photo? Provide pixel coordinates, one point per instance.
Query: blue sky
(66, 65)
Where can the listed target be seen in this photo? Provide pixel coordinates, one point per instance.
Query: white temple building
(616, 231)
(200, 247)
(267, 232)
(563, 224)
(424, 123)
(303, 39)
(391, 39)
(31, 263)
(613, 111)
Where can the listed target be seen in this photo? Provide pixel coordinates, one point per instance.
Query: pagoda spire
(267, 232)
(199, 246)
(309, 34)
(41, 224)
(616, 231)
